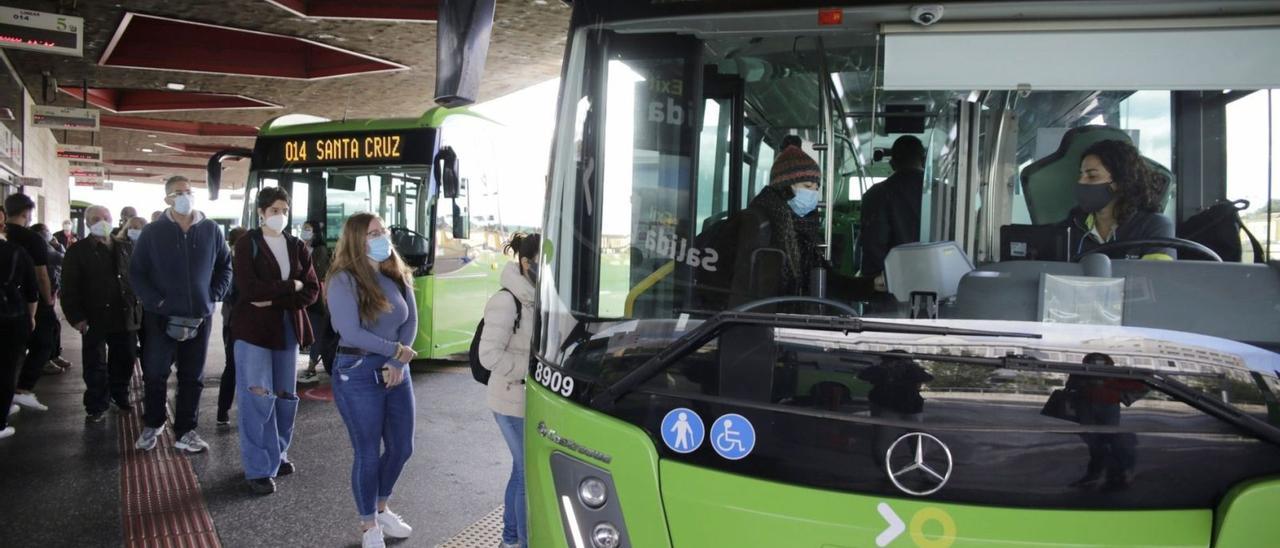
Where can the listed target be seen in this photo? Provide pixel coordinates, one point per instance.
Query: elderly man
(178, 291)
(98, 301)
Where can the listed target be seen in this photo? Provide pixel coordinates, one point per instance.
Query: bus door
(642, 137)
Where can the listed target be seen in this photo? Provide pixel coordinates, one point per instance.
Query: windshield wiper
(712, 327)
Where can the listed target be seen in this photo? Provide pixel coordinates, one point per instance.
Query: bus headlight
(593, 493)
(606, 535)
(590, 505)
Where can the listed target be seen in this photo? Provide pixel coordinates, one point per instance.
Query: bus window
(1248, 135)
(298, 198)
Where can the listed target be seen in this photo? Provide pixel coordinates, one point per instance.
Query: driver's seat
(1049, 183)
(413, 247)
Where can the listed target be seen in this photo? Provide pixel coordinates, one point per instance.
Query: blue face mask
(804, 202)
(379, 248)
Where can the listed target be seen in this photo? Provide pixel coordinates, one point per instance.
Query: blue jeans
(267, 386)
(515, 525)
(376, 417)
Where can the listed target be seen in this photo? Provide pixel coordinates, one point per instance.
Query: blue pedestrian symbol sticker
(682, 430)
(732, 436)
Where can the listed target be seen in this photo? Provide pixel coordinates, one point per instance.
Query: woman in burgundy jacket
(275, 282)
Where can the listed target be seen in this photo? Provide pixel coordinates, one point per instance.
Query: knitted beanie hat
(793, 166)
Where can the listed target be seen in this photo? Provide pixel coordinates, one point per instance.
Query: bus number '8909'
(553, 380)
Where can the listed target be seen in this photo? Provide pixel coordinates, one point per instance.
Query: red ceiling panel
(398, 10)
(150, 42)
(180, 127)
(149, 100)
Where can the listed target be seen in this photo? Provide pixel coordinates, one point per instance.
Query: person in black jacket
(227, 384)
(891, 208)
(1118, 199)
(98, 301)
(771, 248)
(17, 281)
(56, 364)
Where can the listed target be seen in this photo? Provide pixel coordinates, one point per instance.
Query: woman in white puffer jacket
(504, 350)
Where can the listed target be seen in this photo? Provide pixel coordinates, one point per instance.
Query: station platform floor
(66, 482)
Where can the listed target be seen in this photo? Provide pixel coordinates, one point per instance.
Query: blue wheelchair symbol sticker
(732, 436)
(682, 430)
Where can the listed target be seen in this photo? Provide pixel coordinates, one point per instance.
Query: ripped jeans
(266, 387)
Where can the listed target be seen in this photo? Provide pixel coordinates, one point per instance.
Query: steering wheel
(809, 300)
(1176, 243)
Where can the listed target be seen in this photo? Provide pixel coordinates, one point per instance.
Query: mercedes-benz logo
(918, 471)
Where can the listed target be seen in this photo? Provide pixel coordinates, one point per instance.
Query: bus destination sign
(391, 147)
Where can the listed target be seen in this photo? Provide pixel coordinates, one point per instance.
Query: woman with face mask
(1118, 199)
(771, 248)
(370, 298)
(275, 283)
(504, 350)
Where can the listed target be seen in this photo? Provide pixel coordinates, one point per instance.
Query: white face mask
(134, 233)
(276, 222)
(184, 203)
(101, 229)
(307, 234)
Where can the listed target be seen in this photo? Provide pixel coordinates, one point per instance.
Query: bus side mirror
(461, 223)
(446, 172)
(213, 170)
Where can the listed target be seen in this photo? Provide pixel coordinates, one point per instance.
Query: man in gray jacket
(181, 266)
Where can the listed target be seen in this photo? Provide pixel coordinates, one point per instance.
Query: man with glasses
(181, 266)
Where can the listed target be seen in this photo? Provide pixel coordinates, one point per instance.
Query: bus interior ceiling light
(175, 86)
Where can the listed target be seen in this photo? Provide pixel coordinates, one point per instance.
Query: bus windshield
(684, 187)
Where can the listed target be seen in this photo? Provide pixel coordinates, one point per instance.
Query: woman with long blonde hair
(371, 304)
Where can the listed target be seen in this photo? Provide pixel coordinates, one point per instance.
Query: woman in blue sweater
(370, 299)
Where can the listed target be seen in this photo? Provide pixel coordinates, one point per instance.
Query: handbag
(1062, 405)
(183, 329)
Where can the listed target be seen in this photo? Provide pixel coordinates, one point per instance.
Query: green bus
(405, 170)
(952, 408)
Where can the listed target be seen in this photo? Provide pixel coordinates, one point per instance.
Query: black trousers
(40, 347)
(13, 346)
(227, 386)
(160, 354)
(108, 367)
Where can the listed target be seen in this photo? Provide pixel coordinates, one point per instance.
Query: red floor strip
(160, 500)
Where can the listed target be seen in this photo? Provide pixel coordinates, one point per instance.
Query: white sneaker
(191, 443)
(7, 432)
(14, 408)
(148, 439)
(28, 399)
(373, 538)
(392, 525)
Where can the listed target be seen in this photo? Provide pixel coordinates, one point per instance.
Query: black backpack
(12, 305)
(1218, 228)
(478, 372)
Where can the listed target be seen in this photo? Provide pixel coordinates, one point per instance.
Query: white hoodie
(503, 352)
